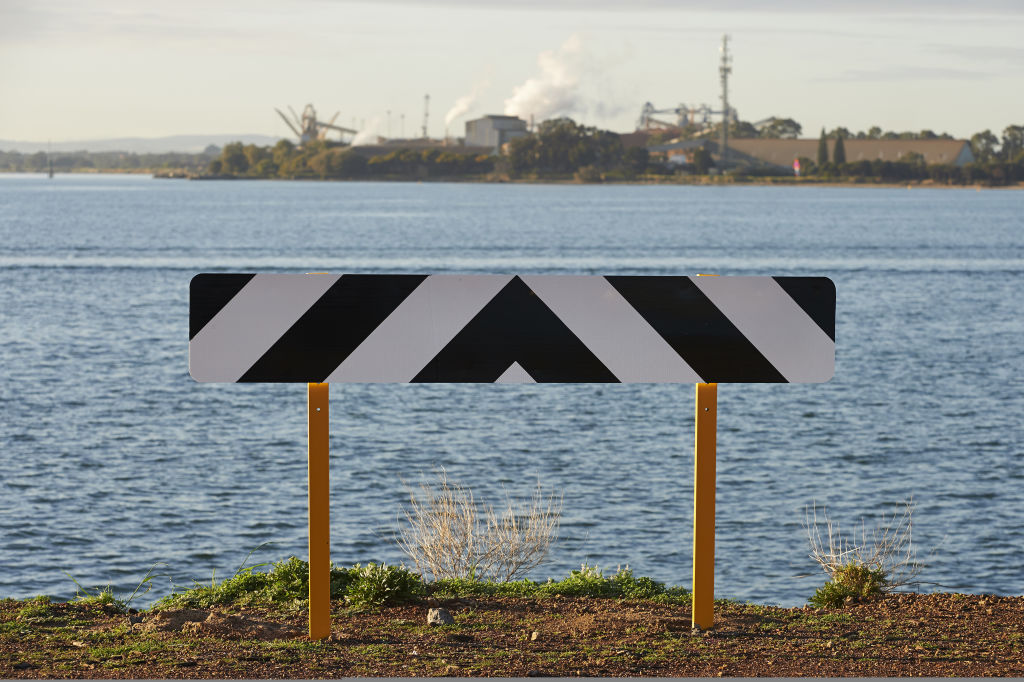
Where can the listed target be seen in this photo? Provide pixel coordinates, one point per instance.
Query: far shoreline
(686, 181)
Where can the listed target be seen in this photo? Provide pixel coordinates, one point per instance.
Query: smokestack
(426, 114)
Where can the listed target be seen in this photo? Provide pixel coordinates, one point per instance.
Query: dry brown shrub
(886, 549)
(450, 536)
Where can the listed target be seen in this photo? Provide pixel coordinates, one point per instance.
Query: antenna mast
(724, 69)
(426, 113)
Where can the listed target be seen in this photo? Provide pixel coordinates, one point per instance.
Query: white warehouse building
(493, 131)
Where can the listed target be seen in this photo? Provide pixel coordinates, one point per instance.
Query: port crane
(307, 127)
(684, 115)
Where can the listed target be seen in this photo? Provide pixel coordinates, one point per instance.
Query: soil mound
(214, 623)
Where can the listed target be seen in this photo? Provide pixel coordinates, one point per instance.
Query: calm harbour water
(113, 459)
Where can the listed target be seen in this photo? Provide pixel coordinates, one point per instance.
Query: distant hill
(140, 145)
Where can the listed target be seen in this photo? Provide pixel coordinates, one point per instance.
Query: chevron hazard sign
(510, 329)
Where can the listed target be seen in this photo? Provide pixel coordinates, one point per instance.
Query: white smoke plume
(555, 91)
(464, 104)
(370, 132)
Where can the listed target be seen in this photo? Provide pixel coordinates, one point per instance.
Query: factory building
(494, 131)
(782, 152)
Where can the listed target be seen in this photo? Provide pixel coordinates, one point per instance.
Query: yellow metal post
(319, 512)
(704, 507)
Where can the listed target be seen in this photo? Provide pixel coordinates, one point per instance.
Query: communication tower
(724, 69)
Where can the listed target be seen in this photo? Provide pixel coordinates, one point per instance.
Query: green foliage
(983, 145)
(563, 147)
(839, 151)
(852, 580)
(587, 581)
(104, 596)
(35, 610)
(635, 161)
(782, 128)
(379, 584)
(701, 161)
(233, 159)
(67, 162)
(822, 148)
(1013, 143)
(288, 583)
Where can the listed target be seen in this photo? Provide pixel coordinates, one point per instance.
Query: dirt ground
(938, 635)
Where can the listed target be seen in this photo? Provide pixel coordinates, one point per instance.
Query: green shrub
(852, 580)
(377, 585)
(288, 583)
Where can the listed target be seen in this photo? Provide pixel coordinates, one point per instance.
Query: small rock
(23, 665)
(77, 643)
(439, 616)
(535, 636)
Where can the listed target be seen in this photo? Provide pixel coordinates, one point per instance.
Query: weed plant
(883, 559)
(104, 596)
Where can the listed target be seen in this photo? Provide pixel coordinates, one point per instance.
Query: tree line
(325, 160)
(564, 149)
(83, 161)
(559, 149)
(986, 147)
(996, 162)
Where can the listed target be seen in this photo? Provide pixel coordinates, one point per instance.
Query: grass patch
(287, 583)
(36, 611)
(587, 581)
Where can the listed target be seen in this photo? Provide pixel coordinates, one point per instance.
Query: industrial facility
(494, 131)
(307, 127)
(679, 132)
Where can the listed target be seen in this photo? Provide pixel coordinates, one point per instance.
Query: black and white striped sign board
(510, 329)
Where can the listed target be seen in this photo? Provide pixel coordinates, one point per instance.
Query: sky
(91, 69)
